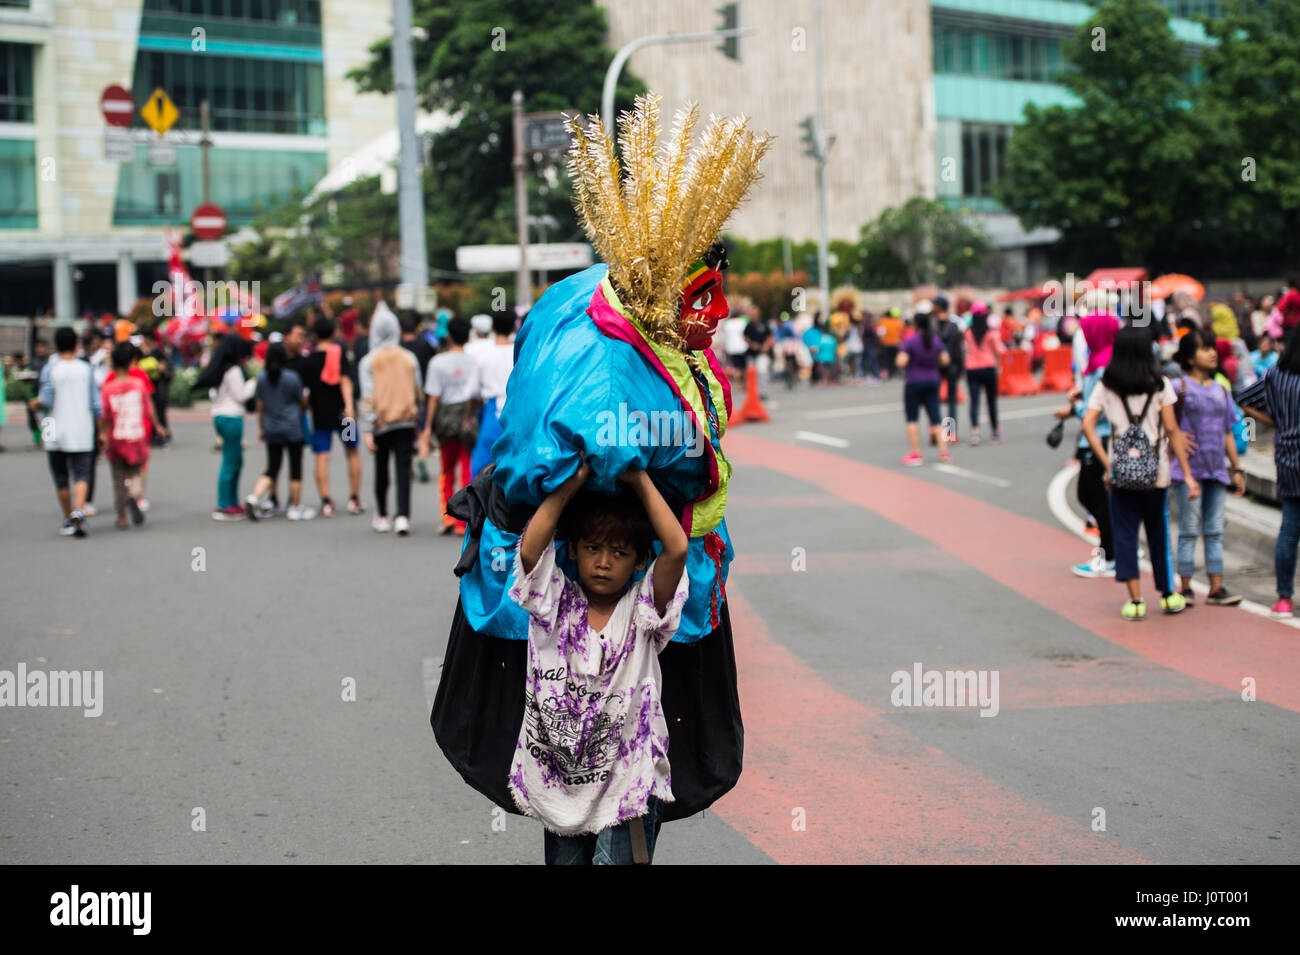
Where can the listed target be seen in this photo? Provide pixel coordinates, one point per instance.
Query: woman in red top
(984, 350)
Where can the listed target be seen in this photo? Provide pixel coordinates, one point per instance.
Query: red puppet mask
(703, 301)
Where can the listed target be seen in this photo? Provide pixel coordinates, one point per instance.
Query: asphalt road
(223, 686)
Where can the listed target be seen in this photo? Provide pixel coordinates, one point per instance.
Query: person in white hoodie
(231, 389)
(391, 389)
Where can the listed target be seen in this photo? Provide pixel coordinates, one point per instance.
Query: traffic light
(809, 137)
(730, 46)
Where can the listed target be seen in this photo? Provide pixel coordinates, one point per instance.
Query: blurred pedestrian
(390, 407)
(983, 351)
(231, 390)
(451, 382)
(125, 427)
(922, 359)
(328, 377)
(67, 391)
(280, 398)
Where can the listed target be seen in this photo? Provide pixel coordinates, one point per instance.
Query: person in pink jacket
(984, 350)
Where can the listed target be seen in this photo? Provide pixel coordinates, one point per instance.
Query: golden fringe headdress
(652, 216)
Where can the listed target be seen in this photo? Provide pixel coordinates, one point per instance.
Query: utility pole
(823, 144)
(205, 147)
(523, 291)
(410, 191)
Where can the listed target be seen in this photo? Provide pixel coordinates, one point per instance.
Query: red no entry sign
(208, 221)
(117, 105)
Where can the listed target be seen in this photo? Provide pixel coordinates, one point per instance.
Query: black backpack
(1134, 461)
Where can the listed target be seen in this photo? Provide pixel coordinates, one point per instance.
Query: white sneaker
(381, 525)
(402, 526)
(253, 507)
(1098, 566)
(300, 513)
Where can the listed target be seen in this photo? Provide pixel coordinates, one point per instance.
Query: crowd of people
(394, 384)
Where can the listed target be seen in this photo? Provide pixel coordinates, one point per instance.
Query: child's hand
(1193, 489)
(1239, 480)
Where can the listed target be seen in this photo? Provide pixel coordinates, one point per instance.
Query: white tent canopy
(376, 157)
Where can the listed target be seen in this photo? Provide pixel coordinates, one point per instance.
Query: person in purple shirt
(1206, 413)
(921, 358)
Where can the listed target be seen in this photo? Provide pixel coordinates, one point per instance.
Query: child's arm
(541, 527)
(672, 560)
(1238, 476)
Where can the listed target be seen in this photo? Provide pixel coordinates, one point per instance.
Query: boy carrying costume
(613, 368)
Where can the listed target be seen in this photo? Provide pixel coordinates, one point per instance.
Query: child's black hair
(122, 356)
(605, 519)
(1132, 369)
(1195, 338)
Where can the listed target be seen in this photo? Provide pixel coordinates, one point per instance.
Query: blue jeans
(1202, 517)
(231, 431)
(1287, 539)
(612, 846)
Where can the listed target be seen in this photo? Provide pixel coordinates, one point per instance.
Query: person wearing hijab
(391, 386)
(231, 389)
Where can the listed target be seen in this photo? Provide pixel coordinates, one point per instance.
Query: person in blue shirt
(1265, 356)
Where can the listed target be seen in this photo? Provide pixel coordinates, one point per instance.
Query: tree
(471, 58)
(1122, 176)
(921, 241)
(1252, 102)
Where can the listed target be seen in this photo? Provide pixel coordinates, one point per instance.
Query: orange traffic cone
(752, 409)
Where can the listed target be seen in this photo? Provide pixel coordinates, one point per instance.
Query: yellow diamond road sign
(159, 112)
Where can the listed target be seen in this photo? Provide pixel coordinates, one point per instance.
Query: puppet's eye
(702, 301)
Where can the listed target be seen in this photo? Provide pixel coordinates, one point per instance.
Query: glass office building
(80, 232)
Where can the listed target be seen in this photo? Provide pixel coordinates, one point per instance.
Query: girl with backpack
(1136, 467)
(1207, 412)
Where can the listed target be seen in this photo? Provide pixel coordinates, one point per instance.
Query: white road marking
(431, 670)
(972, 475)
(816, 438)
(1056, 500)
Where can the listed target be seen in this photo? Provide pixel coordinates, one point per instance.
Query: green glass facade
(294, 22)
(17, 184)
(244, 182)
(1002, 55)
(245, 95)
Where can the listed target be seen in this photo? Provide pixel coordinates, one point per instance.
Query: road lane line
(972, 475)
(431, 671)
(816, 438)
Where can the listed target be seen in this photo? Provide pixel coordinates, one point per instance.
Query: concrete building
(81, 233)
(922, 95)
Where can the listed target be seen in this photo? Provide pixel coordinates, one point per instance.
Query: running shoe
(402, 526)
(298, 513)
(327, 508)
(974, 440)
(144, 505)
(133, 507)
(1189, 595)
(945, 455)
(355, 506)
(1282, 609)
(381, 525)
(997, 436)
(1095, 567)
(1173, 603)
(78, 519)
(66, 529)
(232, 513)
(89, 510)
(1134, 610)
(1223, 598)
(253, 507)
(913, 461)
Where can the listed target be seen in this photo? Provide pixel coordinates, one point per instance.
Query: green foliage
(921, 241)
(18, 389)
(1119, 175)
(180, 390)
(1252, 103)
(475, 54)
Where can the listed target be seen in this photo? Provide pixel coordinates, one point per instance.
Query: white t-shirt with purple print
(593, 747)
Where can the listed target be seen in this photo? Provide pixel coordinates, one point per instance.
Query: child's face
(605, 568)
(1207, 358)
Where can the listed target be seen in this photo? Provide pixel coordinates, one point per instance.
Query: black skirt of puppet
(479, 709)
